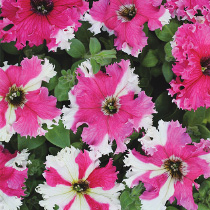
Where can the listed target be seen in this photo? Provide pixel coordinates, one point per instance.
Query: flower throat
(42, 7)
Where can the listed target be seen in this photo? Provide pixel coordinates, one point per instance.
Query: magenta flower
(170, 170)
(194, 11)
(126, 18)
(75, 181)
(38, 20)
(192, 52)
(12, 178)
(24, 104)
(105, 102)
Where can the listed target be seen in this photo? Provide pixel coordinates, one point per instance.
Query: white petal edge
(86, 68)
(45, 75)
(158, 137)
(6, 133)
(137, 169)
(104, 148)
(21, 160)
(60, 195)
(128, 82)
(69, 113)
(64, 163)
(166, 191)
(110, 197)
(9, 202)
(128, 49)
(96, 25)
(165, 18)
(62, 38)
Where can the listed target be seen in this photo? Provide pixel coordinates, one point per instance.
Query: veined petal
(166, 191)
(65, 163)
(60, 195)
(138, 169)
(80, 203)
(47, 72)
(107, 196)
(9, 202)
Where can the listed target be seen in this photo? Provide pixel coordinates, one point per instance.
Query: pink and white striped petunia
(125, 18)
(24, 104)
(170, 170)
(194, 11)
(191, 50)
(74, 180)
(106, 103)
(35, 21)
(13, 173)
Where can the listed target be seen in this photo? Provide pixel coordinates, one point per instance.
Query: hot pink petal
(42, 104)
(96, 205)
(103, 177)
(4, 83)
(84, 161)
(26, 123)
(3, 109)
(53, 178)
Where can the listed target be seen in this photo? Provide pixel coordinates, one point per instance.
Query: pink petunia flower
(125, 19)
(75, 181)
(170, 169)
(24, 104)
(106, 103)
(194, 11)
(35, 21)
(13, 173)
(191, 50)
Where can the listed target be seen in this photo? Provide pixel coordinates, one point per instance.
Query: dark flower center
(127, 12)
(16, 96)
(42, 7)
(110, 105)
(205, 65)
(176, 168)
(81, 186)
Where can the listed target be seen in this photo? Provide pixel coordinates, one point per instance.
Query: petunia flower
(125, 19)
(191, 50)
(106, 102)
(193, 11)
(24, 104)
(13, 173)
(74, 180)
(35, 21)
(170, 169)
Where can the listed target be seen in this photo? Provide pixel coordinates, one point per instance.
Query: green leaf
(94, 46)
(59, 136)
(171, 208)
(150, 59)
(60, 93)
(104, 57)
(52, 83)
(125, 199)
(66, 82)
(168, 52)
(30, 143)
(77, 49)
(95, 66)
(167, 71)
(168, 30)
(202, 207)
(10, 48)
(192, 117)
(204, 131)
